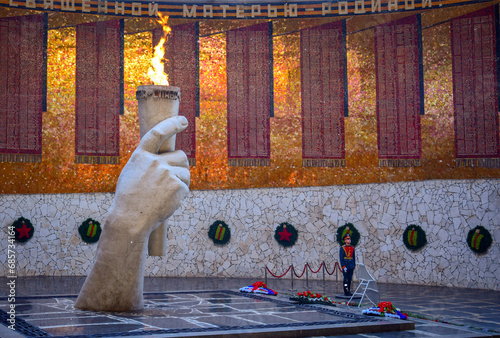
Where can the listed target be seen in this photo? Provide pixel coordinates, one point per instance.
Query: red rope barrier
(281, 275)
(335, 266)
(307, 264)
(302, 274)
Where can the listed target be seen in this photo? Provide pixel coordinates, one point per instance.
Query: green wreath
(348, 228)
(414, 237)
(90, 230)
(479, 239)
(219, 232)
(23, 230)
(286, 234)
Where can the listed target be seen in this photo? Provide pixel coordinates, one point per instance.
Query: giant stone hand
(150, 188)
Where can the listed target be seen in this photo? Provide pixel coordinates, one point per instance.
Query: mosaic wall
(445, 209)
(361, 161)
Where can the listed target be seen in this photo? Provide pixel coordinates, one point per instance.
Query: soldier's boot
(346, 290)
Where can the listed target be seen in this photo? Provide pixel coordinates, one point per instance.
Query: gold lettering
(376, 5)
(255, 10)
(120, 8)
(240, 11)
(392, 5)
(189, 14)
(291, 10)
(153, 9)
(272, 11)
(12, 4)
(86, 6)
(224, 8)
(48, 4)
(102, 7)
(136, 8)
(326, 7)
(359, 7)
(208, 10)
(68, 5)
(426, 3)
(409, 5)
(30, 4)
(343, 7)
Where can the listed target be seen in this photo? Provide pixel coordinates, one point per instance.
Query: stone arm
(150, 188)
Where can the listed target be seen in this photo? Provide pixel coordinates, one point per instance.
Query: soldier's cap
(346, 236)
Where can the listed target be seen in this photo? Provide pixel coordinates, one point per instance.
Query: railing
(307, 268)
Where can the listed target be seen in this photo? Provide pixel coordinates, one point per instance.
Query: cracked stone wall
(445, 209)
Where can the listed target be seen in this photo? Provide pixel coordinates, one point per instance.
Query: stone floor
(204, 307)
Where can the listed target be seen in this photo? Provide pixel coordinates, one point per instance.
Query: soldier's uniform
(347, 255)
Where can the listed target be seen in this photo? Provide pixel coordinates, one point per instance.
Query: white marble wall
(445, 209)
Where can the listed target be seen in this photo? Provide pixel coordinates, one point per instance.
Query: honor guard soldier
(347, 257)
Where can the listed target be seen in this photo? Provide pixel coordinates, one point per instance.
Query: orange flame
(156, 71)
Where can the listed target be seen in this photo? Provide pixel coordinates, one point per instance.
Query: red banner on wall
(99, 91)
(249, 95)
(23, 87)
(398, 60)
(182, 68)
(323, 94)
(475, 89)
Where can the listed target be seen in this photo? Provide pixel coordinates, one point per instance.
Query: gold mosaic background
(57, 173)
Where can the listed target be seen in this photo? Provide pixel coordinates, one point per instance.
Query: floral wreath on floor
(307, 297)
(414, 237)
(385, 309)
(286, 234)
(348, 228)
(90, 230)
(479, 239)
(23, 230)
(259, 287)
(219, 232)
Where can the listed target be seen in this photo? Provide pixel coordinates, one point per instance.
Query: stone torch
(157, 103)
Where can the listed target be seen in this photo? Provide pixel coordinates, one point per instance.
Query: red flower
(385, 306)
(259, 284)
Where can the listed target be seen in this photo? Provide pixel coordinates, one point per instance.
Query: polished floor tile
(213, 306)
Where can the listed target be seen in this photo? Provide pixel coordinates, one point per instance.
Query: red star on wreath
(24, 231)
(285, 235)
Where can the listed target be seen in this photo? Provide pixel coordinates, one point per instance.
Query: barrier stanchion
(324, 281)
(307, 278)
(293, 272)
(265, 275)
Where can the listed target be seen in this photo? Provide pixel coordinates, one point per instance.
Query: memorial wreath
(414, 237)
(479, 239)
(348, 228)
(286, 234)
(385, 309)
(90, 230)
(23, 230)
(308, 297)
(219, 232)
